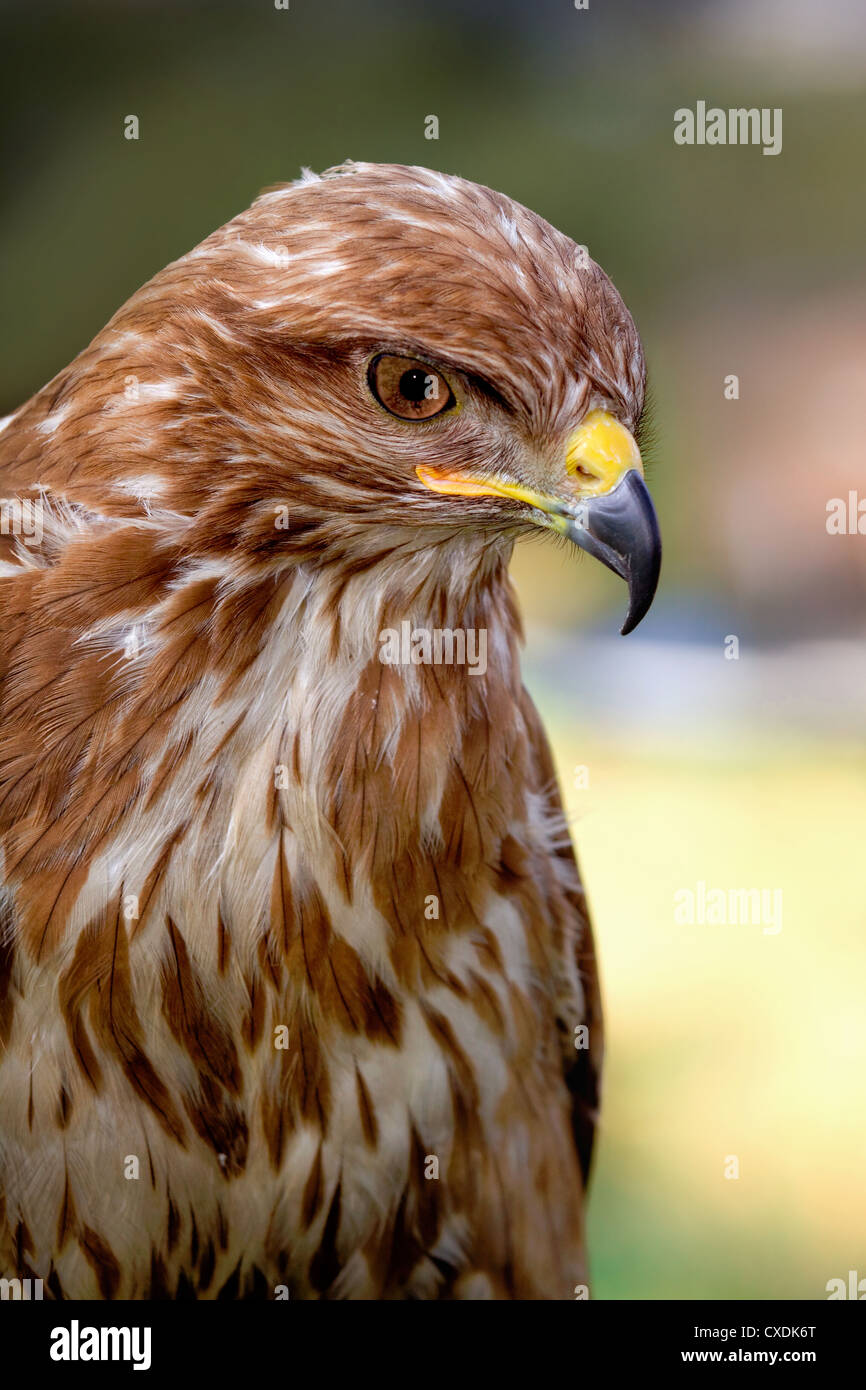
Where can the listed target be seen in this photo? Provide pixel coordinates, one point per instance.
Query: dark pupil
(413, 384)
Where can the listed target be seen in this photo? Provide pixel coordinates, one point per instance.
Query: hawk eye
(408, 388)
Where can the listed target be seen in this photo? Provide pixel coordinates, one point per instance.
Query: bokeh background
(747, 773)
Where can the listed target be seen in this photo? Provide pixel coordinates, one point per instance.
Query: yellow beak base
(597, 457)
(599, 454)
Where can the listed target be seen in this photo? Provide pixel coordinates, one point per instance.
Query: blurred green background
(723, 1040)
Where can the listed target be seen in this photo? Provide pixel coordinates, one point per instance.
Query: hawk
(298, 995)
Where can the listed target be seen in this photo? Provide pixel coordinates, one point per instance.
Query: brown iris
(406, 387)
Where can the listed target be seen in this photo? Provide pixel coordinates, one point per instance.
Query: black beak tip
(641, 595)
(633, 618)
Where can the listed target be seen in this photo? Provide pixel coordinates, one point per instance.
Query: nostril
(588, 473)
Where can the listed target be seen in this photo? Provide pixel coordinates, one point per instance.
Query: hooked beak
(621, 529)
(604, 507)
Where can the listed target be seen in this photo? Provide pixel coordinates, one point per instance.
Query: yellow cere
(600, 452)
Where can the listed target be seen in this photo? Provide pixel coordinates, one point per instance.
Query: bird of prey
(298, 995)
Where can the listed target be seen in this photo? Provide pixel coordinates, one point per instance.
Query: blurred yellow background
(747, 773)
(724, 1040)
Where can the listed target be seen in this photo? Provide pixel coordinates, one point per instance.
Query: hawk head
(400, 362)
